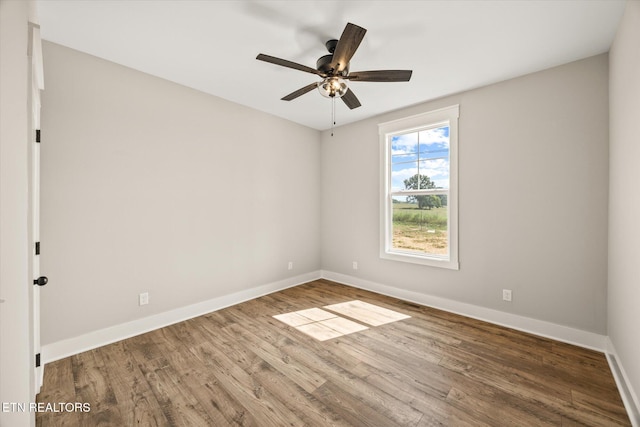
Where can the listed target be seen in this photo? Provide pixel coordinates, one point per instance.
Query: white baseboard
(69, 347)
(627, 393)
(541, 328)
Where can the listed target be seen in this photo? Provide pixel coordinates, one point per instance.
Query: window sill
(431, 261)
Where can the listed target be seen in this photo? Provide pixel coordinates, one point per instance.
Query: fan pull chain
(333, 114)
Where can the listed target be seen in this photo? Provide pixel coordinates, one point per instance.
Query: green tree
(421, 182)
(425, 183)
(430, 202)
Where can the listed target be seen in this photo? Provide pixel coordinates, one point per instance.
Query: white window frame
(444, 116)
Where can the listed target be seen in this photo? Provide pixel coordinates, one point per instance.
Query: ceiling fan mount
(331, 45)
(334, 69)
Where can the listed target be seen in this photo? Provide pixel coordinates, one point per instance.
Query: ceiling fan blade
(381, 76)
(351, 99)
(301, 91)
(288, 64)
(346, 47)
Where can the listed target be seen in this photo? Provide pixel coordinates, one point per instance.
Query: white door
(37, 84)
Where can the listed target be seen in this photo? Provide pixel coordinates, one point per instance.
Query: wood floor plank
(426, 377)
(486, 412)
(255, 355)
(354, 411)
(217, 393)
(137, 404)
(306, 378)
(434, 409)
(91, 381)
(49, 419)
(311, 411)
(56, 387)
(289, 341)
(241, 367)
(178, 405)
(514, 383)
(610, 408)
(243, 387)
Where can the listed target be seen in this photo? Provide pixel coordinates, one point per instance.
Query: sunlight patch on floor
(320, 324)
(367, 313)
(324, 325)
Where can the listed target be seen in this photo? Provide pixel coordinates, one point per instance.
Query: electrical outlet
(506, 295)
(355, 265)
(290, 265)
(143, 298)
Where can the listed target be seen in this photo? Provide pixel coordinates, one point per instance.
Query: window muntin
(419, 197)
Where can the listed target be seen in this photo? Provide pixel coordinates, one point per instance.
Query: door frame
(36, 78)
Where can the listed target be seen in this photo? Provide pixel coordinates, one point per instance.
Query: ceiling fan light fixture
(333, 87)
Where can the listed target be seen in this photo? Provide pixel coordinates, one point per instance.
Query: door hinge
(37, 135)
(38, 360)
(37, 248)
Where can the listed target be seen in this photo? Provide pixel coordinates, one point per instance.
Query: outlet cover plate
(143, 298)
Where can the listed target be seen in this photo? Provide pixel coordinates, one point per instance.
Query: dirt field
(414, 238)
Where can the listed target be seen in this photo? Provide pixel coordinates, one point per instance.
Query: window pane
(420, 224)
(434, 156)
(403, 146)
(403, 176)
(404, 159)
(434, 173)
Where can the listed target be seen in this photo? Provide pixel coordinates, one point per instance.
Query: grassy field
(421, 230)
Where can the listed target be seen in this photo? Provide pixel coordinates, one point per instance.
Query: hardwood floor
(240, 366)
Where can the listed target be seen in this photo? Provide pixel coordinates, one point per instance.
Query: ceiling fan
(334, 69)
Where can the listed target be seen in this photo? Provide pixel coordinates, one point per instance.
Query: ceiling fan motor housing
(323, 64)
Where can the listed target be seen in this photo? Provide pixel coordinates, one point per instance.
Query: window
(419, 218)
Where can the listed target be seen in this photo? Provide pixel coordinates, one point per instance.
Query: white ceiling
(450, 45)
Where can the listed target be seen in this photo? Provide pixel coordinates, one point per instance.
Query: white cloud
(403, 144)
(403, 174)
(408, 143)
(435, 136)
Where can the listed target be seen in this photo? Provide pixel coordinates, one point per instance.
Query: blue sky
(427, 150)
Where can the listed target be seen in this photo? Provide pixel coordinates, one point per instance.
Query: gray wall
(624, 197)
(148, 186)
(533, 170)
